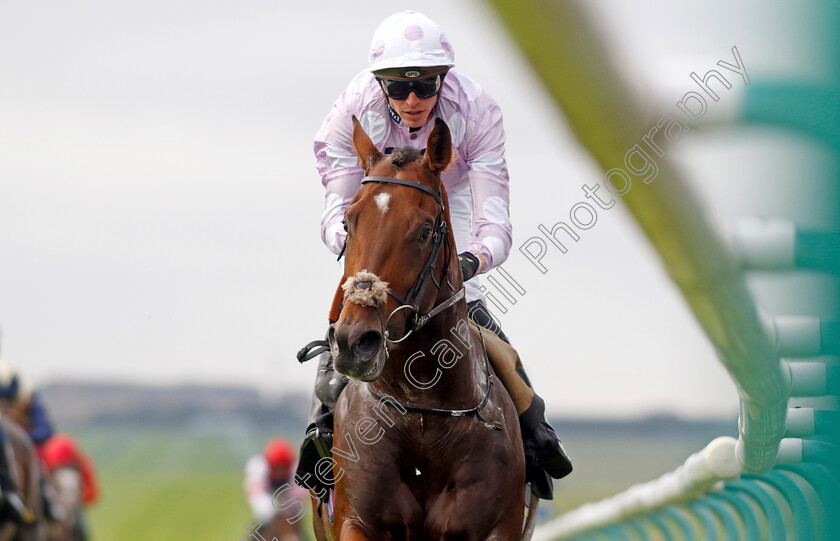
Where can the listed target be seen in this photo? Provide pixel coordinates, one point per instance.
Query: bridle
(440, 241)
(411, 301)
(415, 319)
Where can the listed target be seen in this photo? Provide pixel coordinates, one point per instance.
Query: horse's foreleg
(319, 523)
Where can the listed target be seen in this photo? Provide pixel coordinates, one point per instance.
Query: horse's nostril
(368, 344)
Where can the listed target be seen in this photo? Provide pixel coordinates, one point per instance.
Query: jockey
(265, 475)
(409, 84)
(22, 404)
(62, 451)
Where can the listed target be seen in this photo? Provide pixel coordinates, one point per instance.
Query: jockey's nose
(412, 99)
(359, 344)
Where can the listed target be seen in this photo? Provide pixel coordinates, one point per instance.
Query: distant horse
(426, 447)
(26, 473)
(71, 485)
(281, 529)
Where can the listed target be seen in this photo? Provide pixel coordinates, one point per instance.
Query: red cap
(60, 450)
(278, 451)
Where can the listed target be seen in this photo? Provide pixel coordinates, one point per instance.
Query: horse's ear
(438, 148)
(368, 154)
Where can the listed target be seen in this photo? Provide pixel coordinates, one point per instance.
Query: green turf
(186, 485)
(157, 506)
(166, 485)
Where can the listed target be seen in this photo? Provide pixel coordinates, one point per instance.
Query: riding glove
(469, 264)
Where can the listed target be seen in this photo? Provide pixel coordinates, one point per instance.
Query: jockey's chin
(412, 110)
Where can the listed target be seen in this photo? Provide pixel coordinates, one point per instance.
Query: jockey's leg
(505, 361)
(319, 433)
(317, 443)
(542, 446)
(54, 510)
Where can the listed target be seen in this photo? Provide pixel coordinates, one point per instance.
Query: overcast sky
(160, 207)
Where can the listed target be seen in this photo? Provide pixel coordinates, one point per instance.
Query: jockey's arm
(340, 191)
(258, 490)
(339, 168)
(40, 428)
(492, 233)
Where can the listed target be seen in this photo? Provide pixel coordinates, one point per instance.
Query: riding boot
(317, 443)
(542, 445)
(53, 510)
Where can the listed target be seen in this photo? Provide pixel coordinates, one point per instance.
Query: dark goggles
(399, 89)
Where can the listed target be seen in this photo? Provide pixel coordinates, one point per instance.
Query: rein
(411, 301)
(440, 240)
(415, 319)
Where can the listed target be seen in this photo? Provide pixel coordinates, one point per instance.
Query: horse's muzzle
(357, 353)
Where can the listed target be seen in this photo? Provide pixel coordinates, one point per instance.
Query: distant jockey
(72, 473)
(269, 484)
(61, 451)
(22, 404)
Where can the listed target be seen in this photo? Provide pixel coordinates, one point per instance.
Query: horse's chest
(442, 496)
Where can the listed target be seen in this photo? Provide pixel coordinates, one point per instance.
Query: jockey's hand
(469, 264)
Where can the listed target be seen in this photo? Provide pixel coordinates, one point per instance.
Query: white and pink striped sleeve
(339, 168)
(492, 232)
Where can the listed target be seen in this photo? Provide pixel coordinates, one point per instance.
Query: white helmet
(409, 39)
(13, 386)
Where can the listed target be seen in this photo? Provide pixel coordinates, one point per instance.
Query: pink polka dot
(445, 44)
(413, 33)
(378, 49)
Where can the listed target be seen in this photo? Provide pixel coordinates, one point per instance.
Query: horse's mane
(402, 156)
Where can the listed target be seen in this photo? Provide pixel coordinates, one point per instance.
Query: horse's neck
(421, 371)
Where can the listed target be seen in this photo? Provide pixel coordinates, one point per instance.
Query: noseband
(367, 289)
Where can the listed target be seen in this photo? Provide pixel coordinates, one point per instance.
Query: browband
(409, 183)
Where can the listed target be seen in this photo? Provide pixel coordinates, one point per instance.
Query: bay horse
(23, 461)
(280, 528)
(426, 446)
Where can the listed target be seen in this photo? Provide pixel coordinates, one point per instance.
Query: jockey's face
(280, 472)
(413, 111)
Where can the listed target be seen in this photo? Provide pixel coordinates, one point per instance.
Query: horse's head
(397, 250)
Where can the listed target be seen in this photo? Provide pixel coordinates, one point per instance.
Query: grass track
(169, 485)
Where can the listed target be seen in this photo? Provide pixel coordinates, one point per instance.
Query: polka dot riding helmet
(410, 45)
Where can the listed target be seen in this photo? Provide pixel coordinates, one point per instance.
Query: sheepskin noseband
(365, 288)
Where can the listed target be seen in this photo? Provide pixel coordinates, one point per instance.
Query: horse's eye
(344, 223)
(425, 234)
